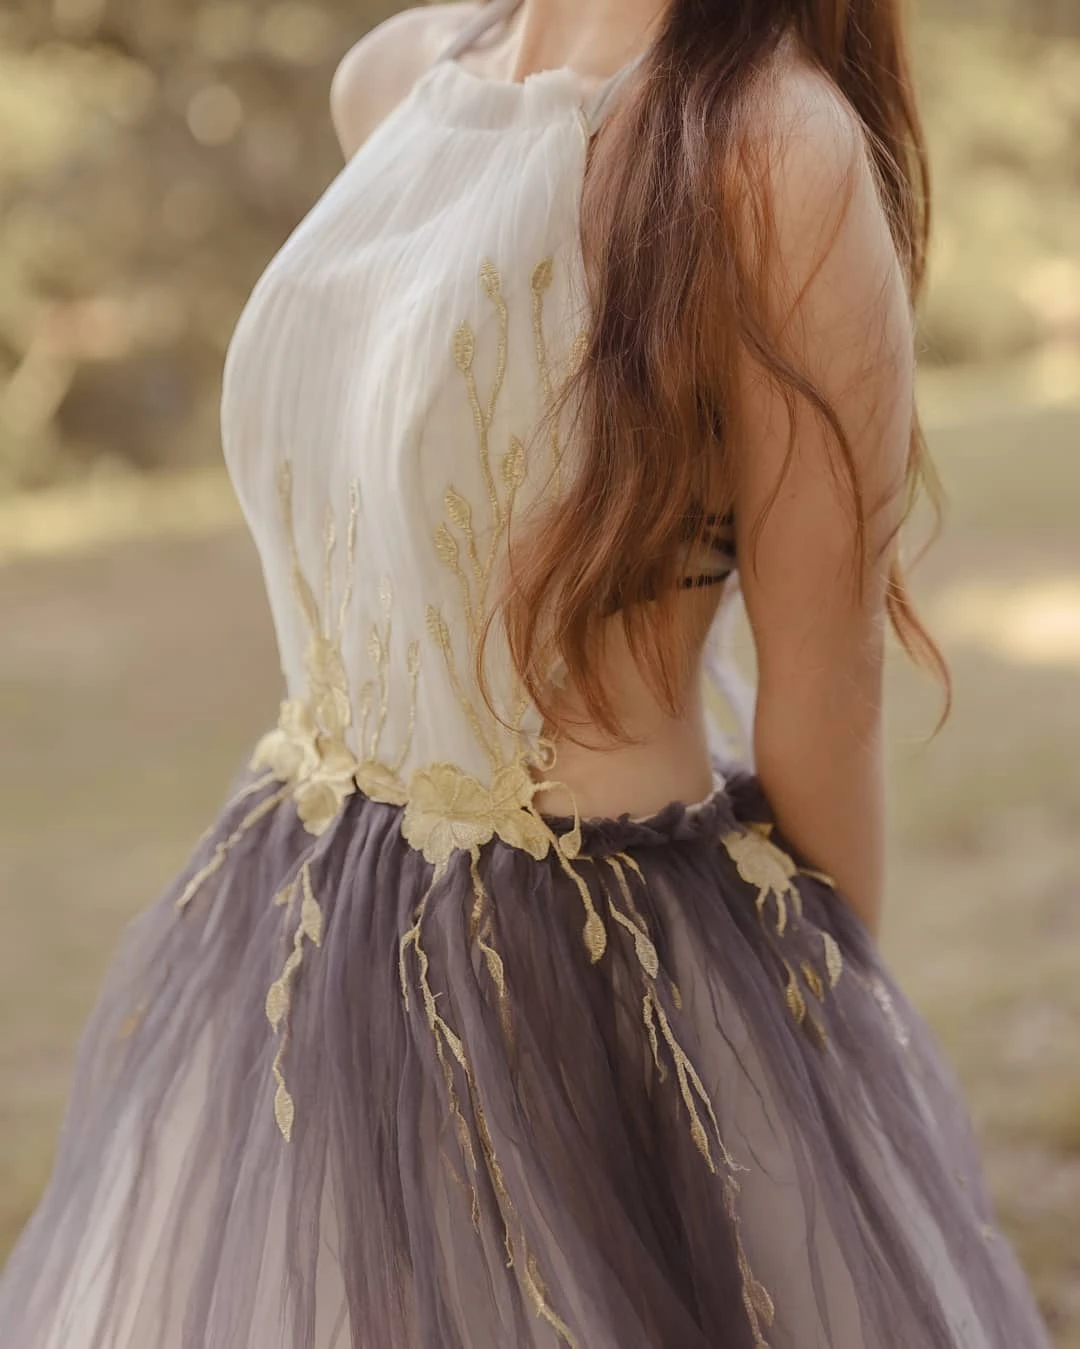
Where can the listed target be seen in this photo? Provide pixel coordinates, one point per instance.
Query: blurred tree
(1039, 16)
(152, 156)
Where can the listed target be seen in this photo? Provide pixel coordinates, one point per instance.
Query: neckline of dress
(543, 96)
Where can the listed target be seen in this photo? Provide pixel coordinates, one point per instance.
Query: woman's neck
(593, 37)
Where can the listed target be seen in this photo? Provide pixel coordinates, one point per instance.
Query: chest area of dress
(414, 327)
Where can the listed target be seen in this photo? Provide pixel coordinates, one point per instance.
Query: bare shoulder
(818, 174)
(807, 115)
(379, 70)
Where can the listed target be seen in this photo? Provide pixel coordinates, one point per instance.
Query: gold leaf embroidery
(489, 278)
(464, 348)
(834, 961)
(450, 1051)
(458, 509)
(460, 517)
(513, 465)
(756, 1300)
(279, 995)
(542, 275)
(813, 980)
(446, 546)
(308, 750)
(221, 852)
(541, 280)
(480, 931)
(691, 1087)
(643, 946)
(578, 348)
(757, 1303)
(793, 995)
(538, 1297)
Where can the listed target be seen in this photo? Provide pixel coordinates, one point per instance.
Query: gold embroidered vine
(450, 1050)
(446, 808)
(309, 750)
(221, 852)
(279, 996)
(758, 1304)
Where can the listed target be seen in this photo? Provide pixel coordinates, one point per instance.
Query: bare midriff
(666, 759)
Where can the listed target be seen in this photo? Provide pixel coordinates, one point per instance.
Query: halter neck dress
(400, 1061)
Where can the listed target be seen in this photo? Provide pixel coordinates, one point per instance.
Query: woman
(494, 1010)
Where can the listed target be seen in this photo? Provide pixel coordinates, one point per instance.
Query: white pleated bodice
(381, 394)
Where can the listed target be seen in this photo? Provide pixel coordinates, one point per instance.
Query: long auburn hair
(674, 305)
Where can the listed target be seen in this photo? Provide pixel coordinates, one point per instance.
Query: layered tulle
(333, 1096)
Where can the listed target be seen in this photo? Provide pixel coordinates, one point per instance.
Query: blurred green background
(153, 154)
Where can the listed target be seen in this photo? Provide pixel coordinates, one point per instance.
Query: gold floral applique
(772, 872)
(449, 810)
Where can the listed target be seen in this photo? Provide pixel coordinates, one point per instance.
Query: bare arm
(820, 646)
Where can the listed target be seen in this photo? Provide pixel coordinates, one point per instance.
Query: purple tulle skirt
(667, 1097)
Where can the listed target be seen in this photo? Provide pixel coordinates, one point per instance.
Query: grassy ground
(133, 677)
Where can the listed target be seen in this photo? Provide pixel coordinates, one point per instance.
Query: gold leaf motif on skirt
(834, 960)
(277, 1003)
(310, 913)
(813, 981)
(794, 997)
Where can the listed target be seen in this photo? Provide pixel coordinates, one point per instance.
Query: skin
(838, 293)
